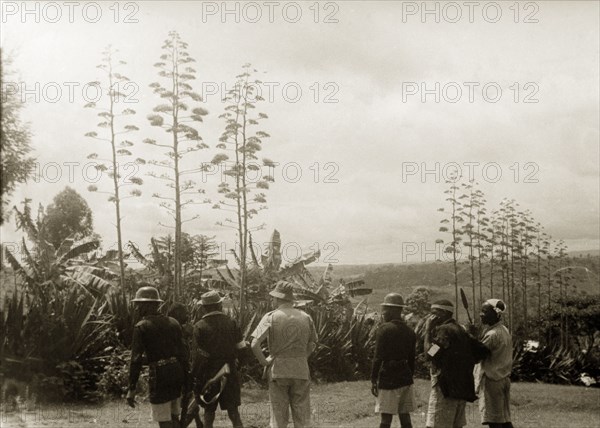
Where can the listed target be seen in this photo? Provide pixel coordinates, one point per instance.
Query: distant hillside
(592, 253)
(438, 278)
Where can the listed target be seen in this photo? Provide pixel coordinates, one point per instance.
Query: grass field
(340, 405)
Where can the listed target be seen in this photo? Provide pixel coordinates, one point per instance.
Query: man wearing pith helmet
(291, 338)
(492, 375)
(158, 337)
(394, 364)
(218, 341)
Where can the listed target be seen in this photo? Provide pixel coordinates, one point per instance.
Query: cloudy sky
(373, 103)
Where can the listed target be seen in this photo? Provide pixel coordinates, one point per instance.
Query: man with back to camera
(394, 365)
(492, 374)
(291, 337)
(218, 341)
(160, 338)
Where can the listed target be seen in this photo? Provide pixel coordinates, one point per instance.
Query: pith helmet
(146, 294)
(393, 299)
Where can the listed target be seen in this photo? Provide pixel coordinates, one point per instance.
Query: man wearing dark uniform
(159, 338)
(218, 341)
(394, 365)
(453, 355)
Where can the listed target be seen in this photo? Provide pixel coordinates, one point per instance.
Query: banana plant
(262, 276)
(45, 269)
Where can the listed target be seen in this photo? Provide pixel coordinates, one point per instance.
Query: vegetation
(67, 324)
(16, 164)
(175, 117)
(110, 116)
(67, 217)
(244, 142)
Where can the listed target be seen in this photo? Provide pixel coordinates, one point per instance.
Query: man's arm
(379, 354)
(259, 336)
(200, 356)
(484, 348)
(412, 349)
(137, 353)
(312, 341)
(181, 351)
(429, 327)
(135, 364)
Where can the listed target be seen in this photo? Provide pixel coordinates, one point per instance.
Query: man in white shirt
(492, 375)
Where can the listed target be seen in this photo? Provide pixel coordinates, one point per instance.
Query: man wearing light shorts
(394, 365)
(160, 339)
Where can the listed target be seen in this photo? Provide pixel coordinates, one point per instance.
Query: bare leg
(235, 418)
(198, 420)
(209, 419)
(405, 421)
(386, 420)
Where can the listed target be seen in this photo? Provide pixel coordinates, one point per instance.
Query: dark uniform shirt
(394, 361)
(160, 338)
(217, 341)
(453, 364)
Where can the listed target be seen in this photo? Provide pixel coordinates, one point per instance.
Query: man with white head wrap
(492, 375)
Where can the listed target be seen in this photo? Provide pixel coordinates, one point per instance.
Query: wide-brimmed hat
(211, 298)
(395, 300)
(146, 294)
(284, 291)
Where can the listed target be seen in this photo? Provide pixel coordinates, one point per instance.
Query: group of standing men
(462, 366)
(199, 363)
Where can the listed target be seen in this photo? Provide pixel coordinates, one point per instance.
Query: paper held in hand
(433, 350)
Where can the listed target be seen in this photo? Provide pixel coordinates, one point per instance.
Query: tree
(68, 216)
(244, 142)
(175, 68)
(418, 303)
(453, 221)
(118, 149)
(15, 139)
(48, 269)
(468, 210)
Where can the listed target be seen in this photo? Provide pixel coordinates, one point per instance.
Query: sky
(371, 106)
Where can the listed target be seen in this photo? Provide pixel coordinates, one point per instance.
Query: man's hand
(269, 360)
(131, 398)
(430, 323)
(472, 330)
(374, 389)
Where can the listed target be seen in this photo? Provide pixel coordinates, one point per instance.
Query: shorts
(162, 412)
(494, 401)
(395, 401)
(445, 412)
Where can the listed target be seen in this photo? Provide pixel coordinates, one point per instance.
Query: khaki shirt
(499, 364)
(289, 333)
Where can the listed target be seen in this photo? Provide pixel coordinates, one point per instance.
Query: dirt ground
(339, 405)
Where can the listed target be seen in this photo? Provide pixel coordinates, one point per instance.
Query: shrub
(552, 365)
